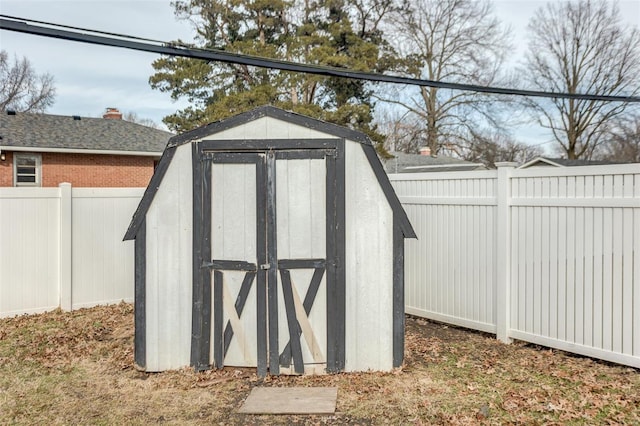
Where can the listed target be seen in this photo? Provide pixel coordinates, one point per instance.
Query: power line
(102, 38)
(70, 27)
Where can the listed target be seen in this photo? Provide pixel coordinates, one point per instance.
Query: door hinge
(265, 266)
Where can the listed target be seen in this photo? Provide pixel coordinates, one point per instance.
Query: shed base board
(290, 401)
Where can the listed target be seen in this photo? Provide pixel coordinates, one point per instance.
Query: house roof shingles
(579, 162)
(564, 162)
(46, 131)
(415, 163)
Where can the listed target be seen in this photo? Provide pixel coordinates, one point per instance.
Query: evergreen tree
(338, 33)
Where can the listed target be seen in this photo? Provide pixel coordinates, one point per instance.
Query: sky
(89, 78)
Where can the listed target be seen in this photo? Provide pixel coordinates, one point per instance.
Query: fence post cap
(63, 184)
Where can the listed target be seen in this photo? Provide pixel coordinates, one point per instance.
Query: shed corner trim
(149, 193)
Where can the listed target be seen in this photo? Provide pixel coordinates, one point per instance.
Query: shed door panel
(233, 212)
(301, 237)
(268, 241)
(301, 209)
(234, 253)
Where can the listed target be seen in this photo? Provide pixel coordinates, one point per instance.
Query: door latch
(265, 266)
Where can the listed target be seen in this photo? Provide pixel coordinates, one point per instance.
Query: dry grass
(76, 368)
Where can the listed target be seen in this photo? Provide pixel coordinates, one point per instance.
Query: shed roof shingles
(29, 130)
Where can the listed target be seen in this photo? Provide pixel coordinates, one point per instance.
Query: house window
(27, 169)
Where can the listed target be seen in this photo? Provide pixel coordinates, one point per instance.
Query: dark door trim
(264, 154)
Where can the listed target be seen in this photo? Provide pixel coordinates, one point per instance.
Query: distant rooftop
(43, 132)
(563, 162)
(418, 163)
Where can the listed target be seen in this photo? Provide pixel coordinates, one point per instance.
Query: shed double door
(271, 260)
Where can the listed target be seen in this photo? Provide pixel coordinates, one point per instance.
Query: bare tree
(403, 131)
(454, 41)
(21, 89)
(581, 47)
(134, 118)
(490, 147)
(622, 143)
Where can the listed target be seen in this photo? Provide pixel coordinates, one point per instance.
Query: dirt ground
(77, 368)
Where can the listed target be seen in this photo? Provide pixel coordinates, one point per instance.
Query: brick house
(46, 150)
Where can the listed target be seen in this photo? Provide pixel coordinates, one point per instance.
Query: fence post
(65, 247)
(503, 255)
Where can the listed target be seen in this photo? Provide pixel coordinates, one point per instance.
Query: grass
(77, 368)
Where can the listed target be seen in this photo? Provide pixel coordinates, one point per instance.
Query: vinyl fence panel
(62, 247)
(102, 264)
(450, 269)
(29, 247)
(545, 255)
(577, 277)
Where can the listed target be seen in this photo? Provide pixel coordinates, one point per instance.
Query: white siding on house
(369, 268)
(169, 268)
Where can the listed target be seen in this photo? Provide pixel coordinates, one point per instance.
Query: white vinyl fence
(62, 247)
(545, 255)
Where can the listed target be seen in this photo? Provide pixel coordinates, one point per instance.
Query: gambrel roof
(279, 114)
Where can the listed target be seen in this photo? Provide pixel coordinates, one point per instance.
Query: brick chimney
(112, 114)
(425, 150)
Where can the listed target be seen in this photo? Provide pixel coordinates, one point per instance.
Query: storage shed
(269, 240)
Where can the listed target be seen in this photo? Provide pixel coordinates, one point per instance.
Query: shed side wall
(369, 268)
(169, 269)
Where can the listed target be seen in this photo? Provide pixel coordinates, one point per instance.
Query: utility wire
(69, 27)
(11, 23)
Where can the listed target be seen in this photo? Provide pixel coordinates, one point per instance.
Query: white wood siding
(102, 264)
(369, 249)
(301, 234)
(169, 269)
(301, 209)
(369, 268)
(233, 237)
(573, 269)
(269, 128)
